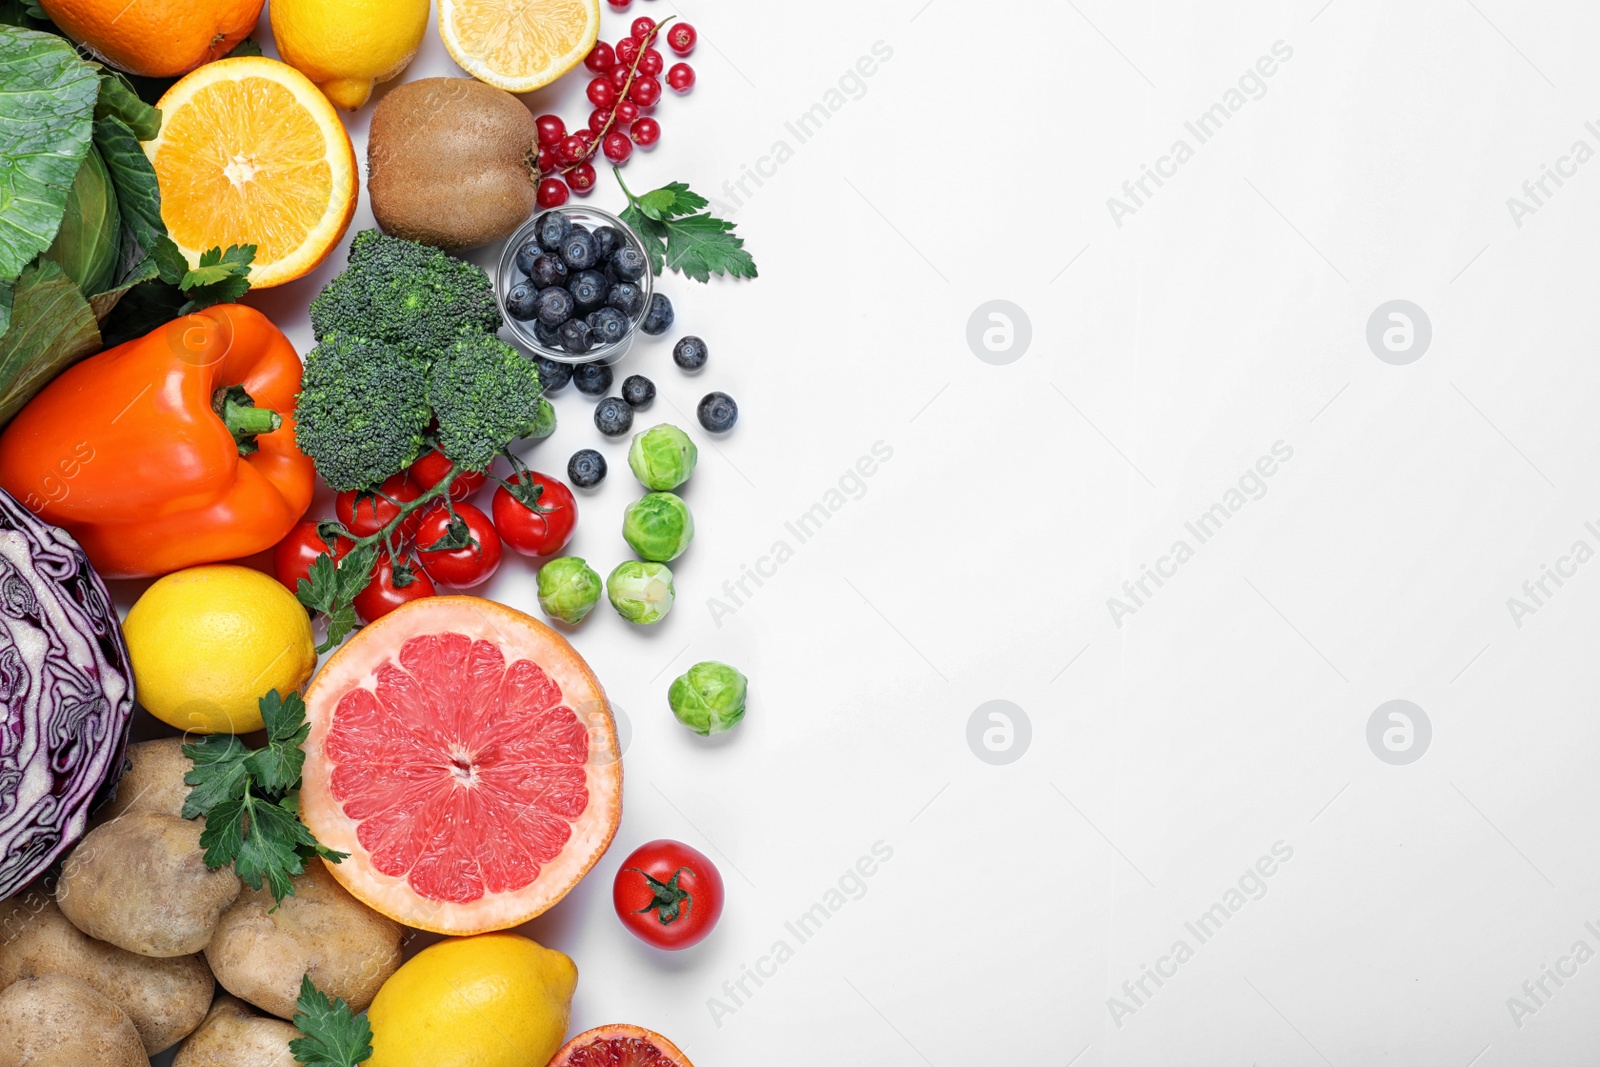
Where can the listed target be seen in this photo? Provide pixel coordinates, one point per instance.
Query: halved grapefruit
(465, 756)
(620, 1045)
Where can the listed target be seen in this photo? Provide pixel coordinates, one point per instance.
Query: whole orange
(156, 38)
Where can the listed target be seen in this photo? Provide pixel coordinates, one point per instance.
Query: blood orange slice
(465, 756)
(620, 1045)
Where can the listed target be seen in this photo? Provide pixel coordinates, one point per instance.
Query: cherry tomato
(433, 465)
(292, 559)
(542, 532)
(668, 894)
(365, 515)
(382, 595)
(458, 568)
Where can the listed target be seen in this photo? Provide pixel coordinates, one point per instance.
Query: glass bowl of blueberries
(575, 286)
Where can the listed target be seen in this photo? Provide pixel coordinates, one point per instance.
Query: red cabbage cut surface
(66, 694)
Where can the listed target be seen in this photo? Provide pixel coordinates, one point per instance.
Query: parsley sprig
(250, 800)
(221, 277)
(334, 1036)
(678, 235)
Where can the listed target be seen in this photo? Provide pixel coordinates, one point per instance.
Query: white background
(1168, 354)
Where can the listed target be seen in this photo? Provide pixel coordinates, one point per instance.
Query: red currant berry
(627, 111)
(627, 51)
(620, 5)
(645, 92)
(651, 62)
(642, 25)
(547, 159)
(601, 92)
(551, 129)
(552, 192)
(570, 150)
(587, 137)
(646, 132)
(601, 58)
(681, 38)
(598, 118)
(619, 77)
(581, 178)
(617, 147)
(681, 77)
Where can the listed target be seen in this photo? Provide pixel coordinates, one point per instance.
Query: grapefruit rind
(519, 636)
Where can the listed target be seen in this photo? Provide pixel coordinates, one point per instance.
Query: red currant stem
(622, 94)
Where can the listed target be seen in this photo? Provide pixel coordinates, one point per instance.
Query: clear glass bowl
(508, 275)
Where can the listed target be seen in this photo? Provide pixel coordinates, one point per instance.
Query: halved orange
(251, 153)
(519, 45)
(465, 756)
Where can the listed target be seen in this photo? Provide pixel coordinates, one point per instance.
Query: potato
(57, 1021)
(166, 999)
(141, 883)
(235, 1036)
(153, 780)
(260, 955)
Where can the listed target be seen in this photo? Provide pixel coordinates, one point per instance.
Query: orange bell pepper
(171, 450)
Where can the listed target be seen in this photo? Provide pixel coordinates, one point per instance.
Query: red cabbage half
(66, 694)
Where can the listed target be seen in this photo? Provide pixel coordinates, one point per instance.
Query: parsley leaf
(679, 236)
(331, 590)
(220, 278)
(247, 798)
(334, 1035)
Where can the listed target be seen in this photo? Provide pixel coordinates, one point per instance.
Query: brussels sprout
(641, 592)
(568, 589)
(662, 457)
(544, 421)
(709, 698)
(658, 526)
(89, 243)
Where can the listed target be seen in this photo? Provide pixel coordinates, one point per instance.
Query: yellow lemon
(208, 642)
(494, 1000)
(347, 46)
(518, 45)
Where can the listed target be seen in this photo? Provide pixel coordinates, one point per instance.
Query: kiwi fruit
(452, 162)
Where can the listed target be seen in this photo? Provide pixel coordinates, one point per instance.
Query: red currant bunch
(625, 85)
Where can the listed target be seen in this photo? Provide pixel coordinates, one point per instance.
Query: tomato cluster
(454, 545)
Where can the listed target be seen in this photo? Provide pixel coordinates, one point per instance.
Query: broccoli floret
(485, 394)
(405, 293)
(361, 411)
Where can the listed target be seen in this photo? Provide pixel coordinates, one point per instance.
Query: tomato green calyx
(238, 412)
(670, 902)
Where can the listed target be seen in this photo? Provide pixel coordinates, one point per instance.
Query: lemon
(208, 642)
(347, 46)
(494, 1000)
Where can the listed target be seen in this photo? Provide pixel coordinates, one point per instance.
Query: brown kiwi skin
(452, 162)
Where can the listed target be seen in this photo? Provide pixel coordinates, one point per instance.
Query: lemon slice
(519, 45)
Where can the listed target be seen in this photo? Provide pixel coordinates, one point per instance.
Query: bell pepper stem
(243, 419)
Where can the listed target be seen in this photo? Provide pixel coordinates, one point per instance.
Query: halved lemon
(519, 45)
(251, 153)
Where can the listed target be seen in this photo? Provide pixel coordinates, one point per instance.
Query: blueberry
(522, 301)
(586, 469)
(658, 316)
(610, 324)
(607, 239)
(545, 334)
(551, 227)
(613, 417)
(552, 375)
(588, 289)
(626, 298)
(575, 337)
(527, 252)
(628, 263)
(547, 270)
(592, 379)
(554, 305)
(638, 390)
(718, 412)
(690, 353)
(578, 250)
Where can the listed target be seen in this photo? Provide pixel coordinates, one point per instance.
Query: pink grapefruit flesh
(465, 756)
